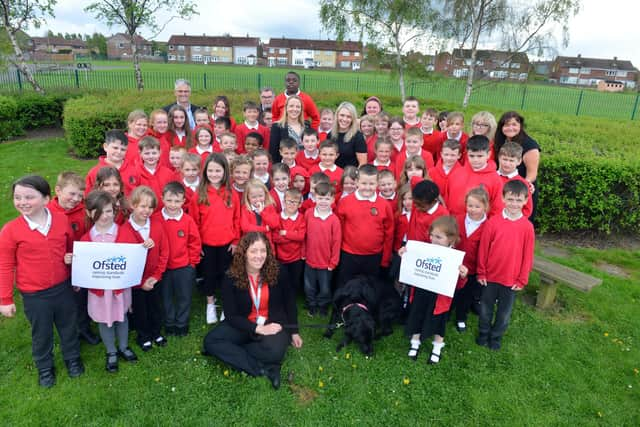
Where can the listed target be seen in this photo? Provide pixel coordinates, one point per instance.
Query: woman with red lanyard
(260, 312)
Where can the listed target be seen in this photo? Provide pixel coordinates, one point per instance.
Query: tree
(525, 26)
(97, 42)
(16, 16)
(395, 23)
(137, 14)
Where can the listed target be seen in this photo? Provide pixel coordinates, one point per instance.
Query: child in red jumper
(413, 147)
(505, 259)
(115, 147)
(364, 213)
(159, 129)
(151, 172)
(147, 300)
(310, 155)
(431, 138)
(348, 182)
(137, 127)
(321, 249)
(216, 211)
(509, 158)
(184, 254)
(204, 138)
(281, 178)
(382, 161)
(428, 313)
(470, 226)
(259, 212)
(310, 201)
(289, 240)
(328, 155)
(447, 164)
(68, 201)
(179, 127)
(35, 251)
(251, 113)
(108, 179)
(387, 188)
(241, 170)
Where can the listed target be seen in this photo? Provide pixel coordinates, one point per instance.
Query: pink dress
(108, 308)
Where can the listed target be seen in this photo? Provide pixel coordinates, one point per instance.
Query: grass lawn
(575, 364)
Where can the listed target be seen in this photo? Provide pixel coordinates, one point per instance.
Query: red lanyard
(256, 294)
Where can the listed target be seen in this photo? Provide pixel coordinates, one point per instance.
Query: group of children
(188, 197)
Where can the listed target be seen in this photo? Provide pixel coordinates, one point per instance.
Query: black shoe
(482, 341)
(182, 332)
(75, 368)
(145, 346)
(413, 352)
(170, 330)
(89, 337)
(323, 311)
(273, 374)
(495, 345)
(128, 355)
(47, 377)
(111, 364)
(313, 311)
(461, 326)
(160, 341)
(434, 359)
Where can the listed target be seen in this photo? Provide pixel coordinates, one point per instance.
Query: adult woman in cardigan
(291, 125)
(257, 305)
(352, 147)
(511, 128)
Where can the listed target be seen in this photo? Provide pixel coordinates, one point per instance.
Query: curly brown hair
(238, 269)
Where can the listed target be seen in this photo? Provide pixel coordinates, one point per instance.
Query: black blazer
(193, 107)
(278, 133)
(237, 305)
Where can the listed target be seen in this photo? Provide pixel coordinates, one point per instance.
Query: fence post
(524, 94)
(259, 81)
(77, 78)
(579, 102)
(412, 86)
(204, 80)
(304, 82)
(635, 107)
(19, 80)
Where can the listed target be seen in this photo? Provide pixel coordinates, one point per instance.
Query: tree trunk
(469, 87)
(22, 65)
(400, 69)
(479, 22)
(136, 63)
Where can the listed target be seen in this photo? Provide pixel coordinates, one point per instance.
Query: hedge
(589, 178)
(10, 126)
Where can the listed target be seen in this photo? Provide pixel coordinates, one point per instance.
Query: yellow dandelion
(320, 384)
(354, 366)
(226, 372)
(606, 334)
(406, 381)
(320, 368)
(347, 356)
(157, 379)
(600, 414)
(635, 371)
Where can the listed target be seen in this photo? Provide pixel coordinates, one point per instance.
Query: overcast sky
(600, 30)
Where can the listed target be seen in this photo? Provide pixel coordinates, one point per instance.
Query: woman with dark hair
(222, 108)
(511, 129)
(260, 312)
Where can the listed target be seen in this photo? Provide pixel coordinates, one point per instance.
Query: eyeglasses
(480, 125)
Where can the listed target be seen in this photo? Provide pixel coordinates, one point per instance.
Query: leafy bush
(36, 111)
(9, 124)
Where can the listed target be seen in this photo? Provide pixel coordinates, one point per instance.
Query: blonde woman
(484, 123)
(352, 147)
(291, 125)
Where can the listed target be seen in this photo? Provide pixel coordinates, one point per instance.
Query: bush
(10, 126)
(36, 111)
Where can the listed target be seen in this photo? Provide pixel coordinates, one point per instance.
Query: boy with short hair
(222, 125)
(505, 259)
(176, 157)
(477, 171)
(448, 161)
(289, 240)
(364, 213)
(228, 142)
(310, 155)
(321, 249)
(431, 137)
(455, 126)
(253, 141)
(150, 172)
(288, 153)
(314, 180)
(184, 255)
(115, 148)
(70, 188)
(413, 147)
(381, 125)
(190, 172)
(410, 112)
(328, 155)
(509, 158)
(201, 117)
(382, 160)
(251, 113)
(387, 188)
(326, 123)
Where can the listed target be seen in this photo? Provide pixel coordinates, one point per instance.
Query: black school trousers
(352, 265)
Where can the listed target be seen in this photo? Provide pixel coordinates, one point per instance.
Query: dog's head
(358, 290)
(360, 326)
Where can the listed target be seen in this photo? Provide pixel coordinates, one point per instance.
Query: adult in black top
(252, 339)
(511, 129)
(290, 125)
(352, 147)
(182, 91)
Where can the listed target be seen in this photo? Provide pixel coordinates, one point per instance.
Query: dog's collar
(348, 306)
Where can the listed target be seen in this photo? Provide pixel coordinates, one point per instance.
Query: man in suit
(266, 98)
(182, 90)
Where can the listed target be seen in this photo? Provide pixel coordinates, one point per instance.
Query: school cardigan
(157, 256)
(76, 216)
(367, 227)
(469, 244)
(505, 254)
(308, 107)
(36, 262)
(237, 305)
(184, 241)
(464, 179)
(322, 242)
(219, 224)
(289, 248)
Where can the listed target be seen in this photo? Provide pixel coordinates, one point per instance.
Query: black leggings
(214, 264)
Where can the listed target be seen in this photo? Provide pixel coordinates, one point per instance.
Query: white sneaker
(212, 316)
(222, 317)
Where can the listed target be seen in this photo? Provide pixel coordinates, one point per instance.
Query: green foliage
(36, 111)
(9, 124)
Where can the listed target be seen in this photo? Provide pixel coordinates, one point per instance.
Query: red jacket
(469, 244)
(157, 256)
(322, 242)
(308, 106)
(184, 241)
(290, 247)
(401, 158)
(464, 179)
(219, 224)
(34, 261)
(505, 255)
(464, 138)
(390, 167)
(367, 227)
(127, 173)
(77, 217)
(242, 130)
(432, 142)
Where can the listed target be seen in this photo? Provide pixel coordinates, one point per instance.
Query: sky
(597, 31)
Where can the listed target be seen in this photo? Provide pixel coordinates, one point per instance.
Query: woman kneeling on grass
(256, 304)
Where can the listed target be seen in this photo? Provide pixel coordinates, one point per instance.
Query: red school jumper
(334, 174)
(440, 177)
(367, 226)
(322, 242)
(157, 256)
(432, 142)
(165, 146)
(290, 247)
(127, 172)
(156, 180)
(469, 244)
(307, 162)
(269, 217)
(464, 179)
(243, 130)
(76, 216)
(184, 240)
(528, 207)
(401, 228)
(219, 221)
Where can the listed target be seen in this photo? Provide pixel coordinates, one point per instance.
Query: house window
(356, 53)
(241, 60)
(345, 53)
(196, 58)
(121, 45)
(515, 65)
(206, 58)
(282, 61)
(585, 70)
(171, 57)
(181, 58)
(282, 51)
(215, 59)
(171, 47)
(225, 49)
(298, 61)
(345, 64)
(180, 47)
(574, 70)
(621, 74)
(196, 48)
(272, 50)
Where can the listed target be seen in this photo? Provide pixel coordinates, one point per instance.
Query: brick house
(57, 48)
(314, 53)
(589, 71)
(491, 64)
(213, 49)
(119, 47)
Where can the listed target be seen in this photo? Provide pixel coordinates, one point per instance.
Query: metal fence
(503, 95)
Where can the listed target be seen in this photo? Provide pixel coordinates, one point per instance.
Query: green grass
(576, 364)
(529, 97)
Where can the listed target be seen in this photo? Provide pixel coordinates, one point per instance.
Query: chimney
(579, 55)
(615, 58)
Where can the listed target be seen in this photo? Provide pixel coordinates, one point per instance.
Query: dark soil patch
(40, 133)
(590, 240)
(613, 270)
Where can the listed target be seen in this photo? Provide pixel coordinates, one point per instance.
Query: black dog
(365, 304)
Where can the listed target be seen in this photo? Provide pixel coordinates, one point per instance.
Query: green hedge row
(589, 176)
(31, 111)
